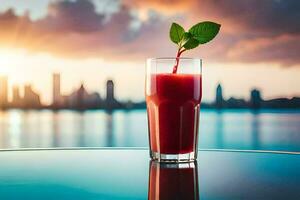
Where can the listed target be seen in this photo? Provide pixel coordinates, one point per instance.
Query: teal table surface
(124, 174)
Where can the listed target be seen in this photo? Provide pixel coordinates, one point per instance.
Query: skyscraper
(3, 91)
(31, 98)
(255, 98)
(110, 91)
(56, 90)
(17, 100)
(219, 97)
(110, 98)
(81, 96)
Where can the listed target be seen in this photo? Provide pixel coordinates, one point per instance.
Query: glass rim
(172, 58)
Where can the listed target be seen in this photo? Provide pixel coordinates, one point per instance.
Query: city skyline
(81, 99)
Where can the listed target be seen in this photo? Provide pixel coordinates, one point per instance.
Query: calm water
(228, 129)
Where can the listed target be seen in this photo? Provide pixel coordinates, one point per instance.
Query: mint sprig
(200, 33)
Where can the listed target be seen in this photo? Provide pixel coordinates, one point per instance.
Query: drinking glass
(173, 103)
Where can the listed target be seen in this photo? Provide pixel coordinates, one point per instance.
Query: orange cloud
(168, 7)
(282, 49)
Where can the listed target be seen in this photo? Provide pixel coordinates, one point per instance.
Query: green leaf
(191, 43)
(205, 31)
(186, 36)
(176, 33)
(188, 41)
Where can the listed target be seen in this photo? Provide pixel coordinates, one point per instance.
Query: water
(228, 129)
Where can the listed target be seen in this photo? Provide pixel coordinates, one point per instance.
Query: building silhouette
(57, 99)
(3, 92)
(282, 103)
(255, 99)
(80, 96)
(110, 101)
(233, 102)
(219, 102)
(31, 98)
(81, 99)
(17, 99)
(110, 91)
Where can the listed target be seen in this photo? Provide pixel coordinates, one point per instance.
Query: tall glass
(173, 103)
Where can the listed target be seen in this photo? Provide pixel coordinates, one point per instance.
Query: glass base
(174, 158)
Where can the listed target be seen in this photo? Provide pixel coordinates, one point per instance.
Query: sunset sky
(90, 41)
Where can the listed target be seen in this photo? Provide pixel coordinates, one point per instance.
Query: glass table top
(129, 174)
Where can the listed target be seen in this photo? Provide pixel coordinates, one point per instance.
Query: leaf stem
(179, 52)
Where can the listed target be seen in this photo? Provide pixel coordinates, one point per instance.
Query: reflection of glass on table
(173, 181)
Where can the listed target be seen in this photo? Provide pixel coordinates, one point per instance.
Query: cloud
(69, 16)
(71, 28)
(283, 49)
(252, 31)
(168, 7)
(271, 17)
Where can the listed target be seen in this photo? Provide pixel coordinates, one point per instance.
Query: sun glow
(22, 68)
(10, 61)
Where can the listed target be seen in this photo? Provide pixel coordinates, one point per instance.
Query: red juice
(167, 182)
(173, 102)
